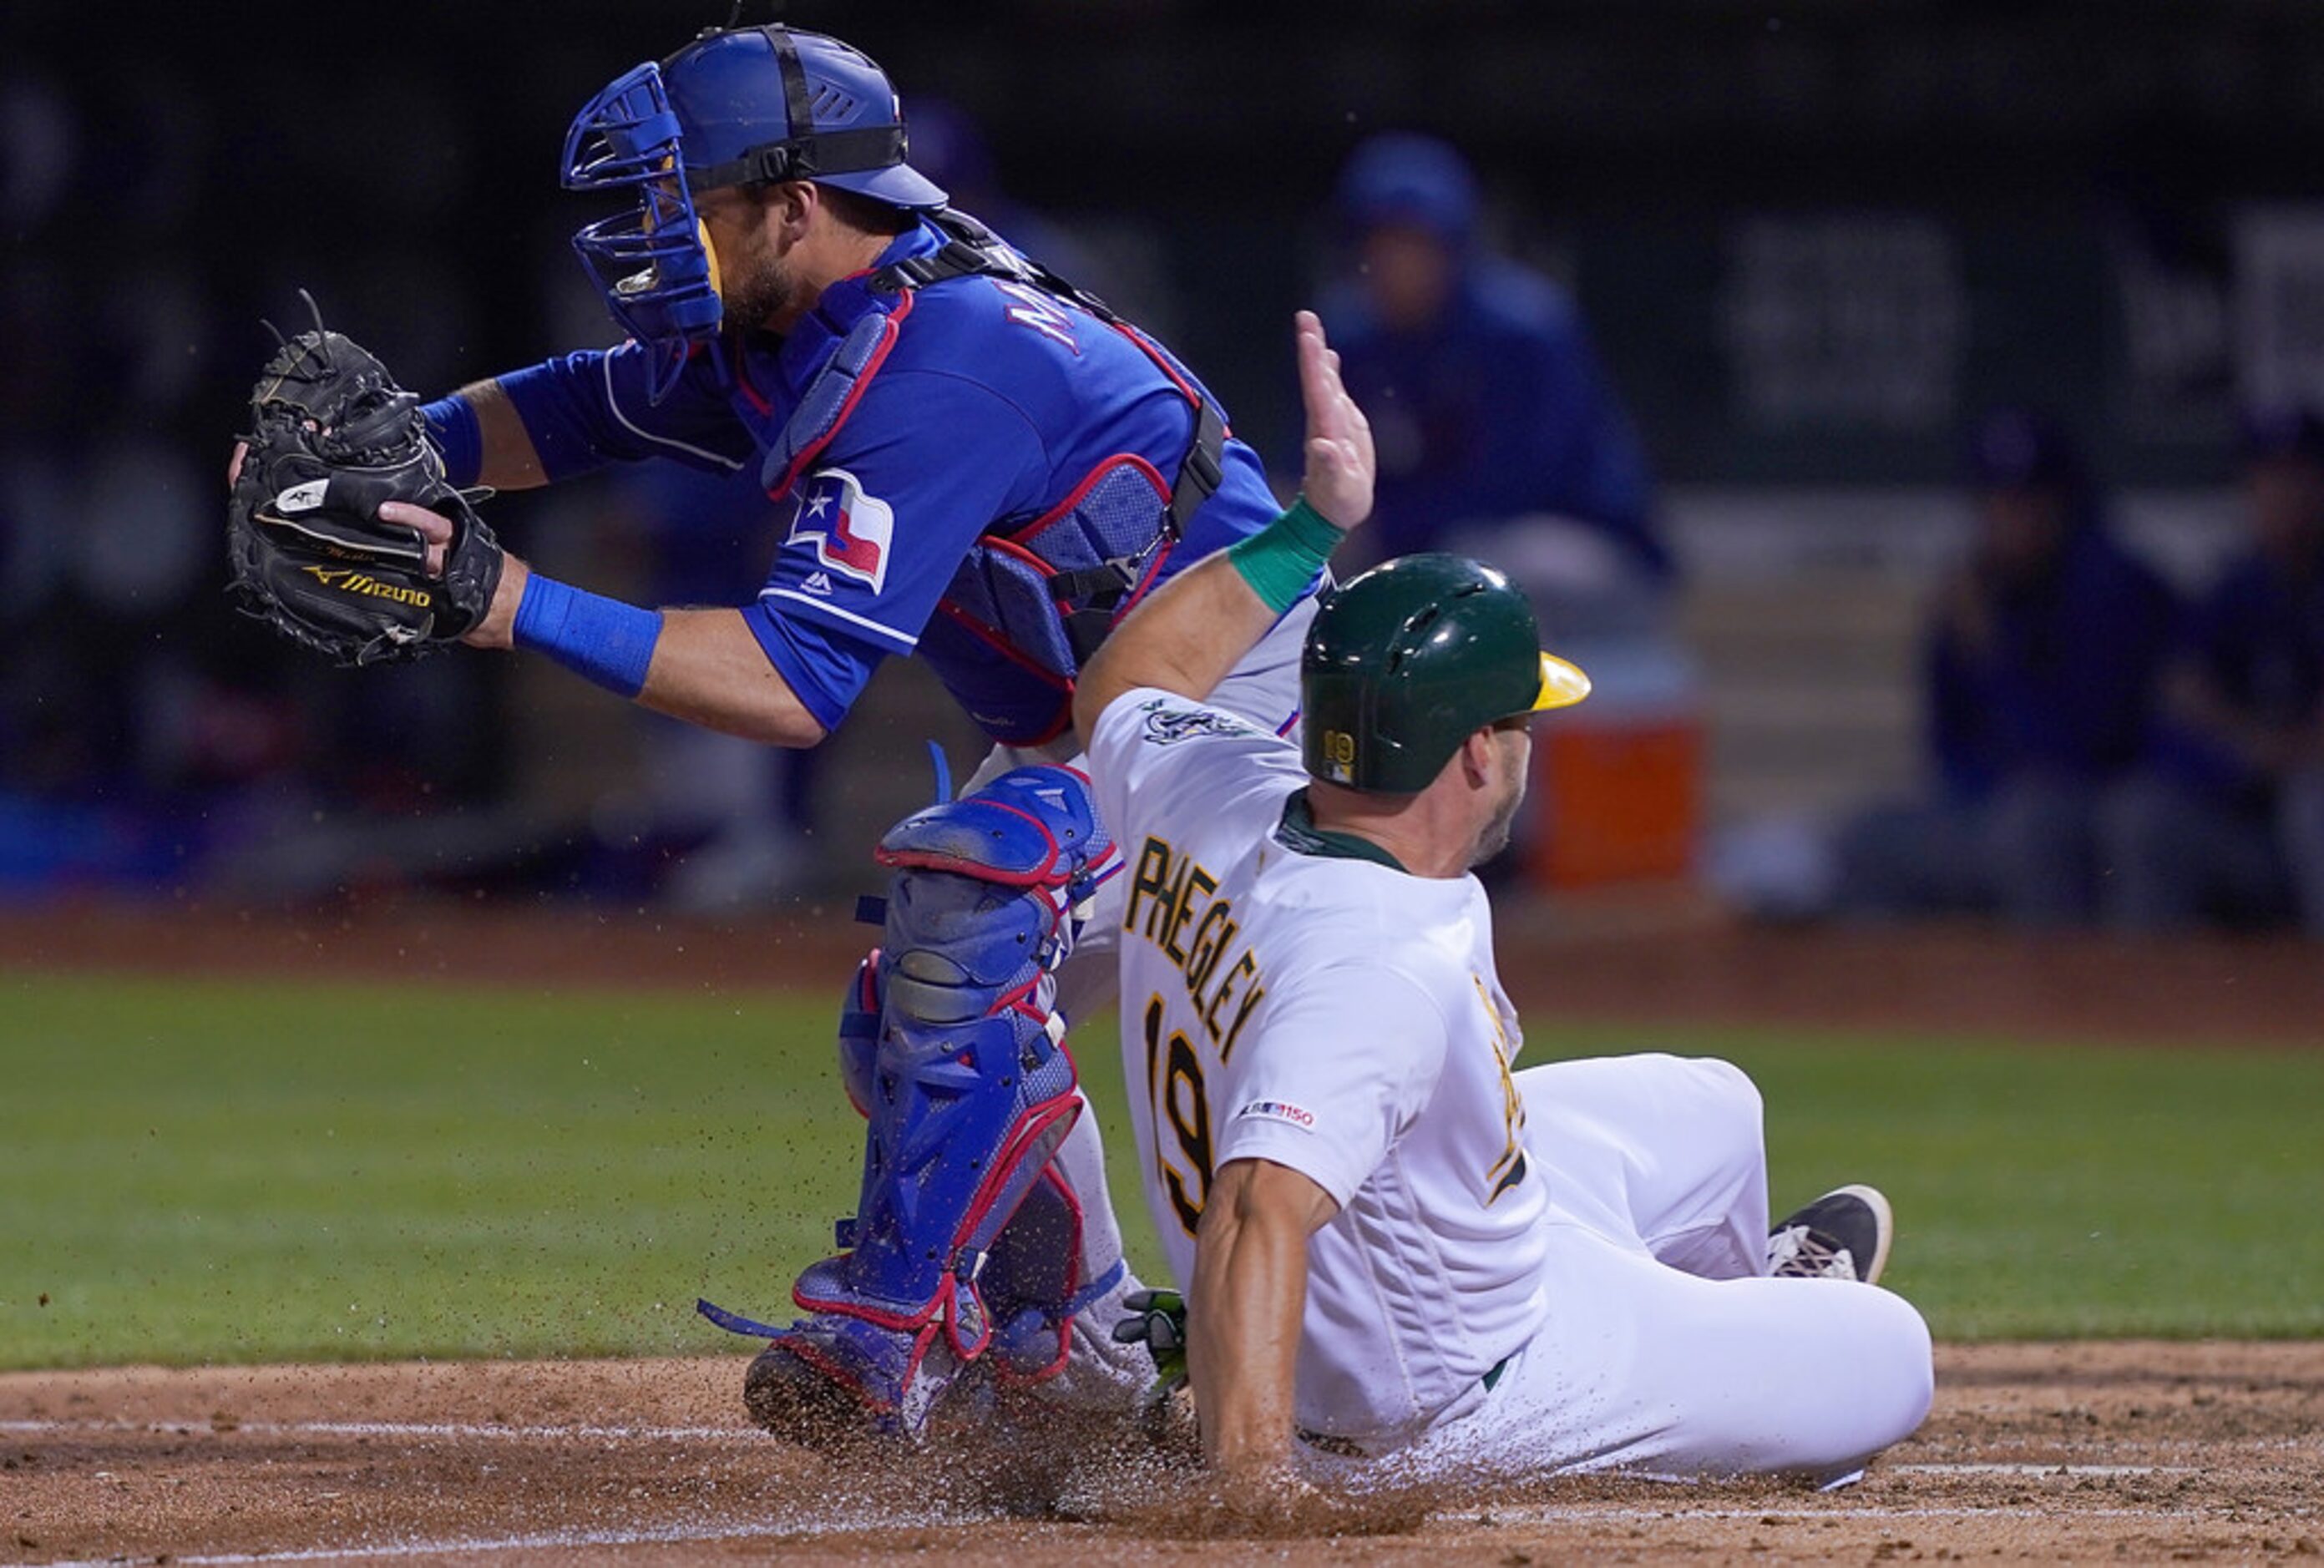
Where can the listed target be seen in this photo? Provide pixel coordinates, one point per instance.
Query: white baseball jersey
(1295, 997)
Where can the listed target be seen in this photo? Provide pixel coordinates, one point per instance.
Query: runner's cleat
(1843, 1235)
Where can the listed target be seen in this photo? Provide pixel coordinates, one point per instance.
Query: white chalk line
(684, 1535)
(511, 1432)
(679, 1535)
(551, 1540)
(403, 1429)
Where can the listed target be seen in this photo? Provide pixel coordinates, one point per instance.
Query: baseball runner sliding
(1393, 1242)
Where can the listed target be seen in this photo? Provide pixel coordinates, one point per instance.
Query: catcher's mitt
(333, 438)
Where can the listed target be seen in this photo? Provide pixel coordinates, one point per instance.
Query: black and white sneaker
(1843, 1235)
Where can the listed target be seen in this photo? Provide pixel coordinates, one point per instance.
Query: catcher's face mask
(653, 264)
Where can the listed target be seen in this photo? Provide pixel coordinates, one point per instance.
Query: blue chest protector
(1043, 593)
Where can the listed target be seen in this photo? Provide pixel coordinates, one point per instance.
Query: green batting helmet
(1407, 660)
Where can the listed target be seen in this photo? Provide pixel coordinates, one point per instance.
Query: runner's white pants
(1667, 1350)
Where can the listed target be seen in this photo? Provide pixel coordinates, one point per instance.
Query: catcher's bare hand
(497, 628)
(432, 526)
(1338, 480)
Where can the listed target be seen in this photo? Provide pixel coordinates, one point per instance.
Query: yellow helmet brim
(1561, 684)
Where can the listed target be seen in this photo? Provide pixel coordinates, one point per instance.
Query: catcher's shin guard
(951, 1046)
(1034, 1284)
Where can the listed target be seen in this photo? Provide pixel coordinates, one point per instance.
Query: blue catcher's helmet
(740, 105)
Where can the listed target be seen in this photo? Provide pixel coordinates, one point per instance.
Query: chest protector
(1044, 593)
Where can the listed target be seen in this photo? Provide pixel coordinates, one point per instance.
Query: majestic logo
(364, 585)
(851, 531)
(1168, 726)
(1283, 1110)
(819, 582)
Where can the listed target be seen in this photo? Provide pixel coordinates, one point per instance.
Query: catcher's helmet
(1407, 660)
(740, 105)
(757, 104)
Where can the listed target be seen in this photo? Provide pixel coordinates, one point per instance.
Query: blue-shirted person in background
(2226, 822)
(2040, 670)
(975, 462)
(1488, 404)
(1499, 436)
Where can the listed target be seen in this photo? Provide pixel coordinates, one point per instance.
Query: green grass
(234, 1172)
(2047, 1191)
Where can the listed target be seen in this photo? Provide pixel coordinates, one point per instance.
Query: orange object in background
(1614, 802)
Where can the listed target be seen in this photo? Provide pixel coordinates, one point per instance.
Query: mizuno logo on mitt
(366, 586)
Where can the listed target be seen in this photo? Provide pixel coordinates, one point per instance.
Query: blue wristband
(453, 424)
(598, 639)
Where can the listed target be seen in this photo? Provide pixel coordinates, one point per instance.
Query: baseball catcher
(332, 438)
(966, 460)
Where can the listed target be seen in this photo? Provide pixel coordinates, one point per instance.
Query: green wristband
(1282, 558)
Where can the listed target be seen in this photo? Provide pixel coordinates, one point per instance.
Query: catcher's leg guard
(950, 1045)
(1036, 1285)
(859, 1035)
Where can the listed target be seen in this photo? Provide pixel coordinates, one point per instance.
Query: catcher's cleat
(1843, 1235)
(830, 1379)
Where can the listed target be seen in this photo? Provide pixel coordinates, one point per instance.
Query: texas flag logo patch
(852, 530)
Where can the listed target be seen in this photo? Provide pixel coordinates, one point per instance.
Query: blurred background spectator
(951, 147)
(2228, 822)
(1492, 416)
(2042, 650)
(1500, 437)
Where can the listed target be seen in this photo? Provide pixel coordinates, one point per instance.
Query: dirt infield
(2139, 1451)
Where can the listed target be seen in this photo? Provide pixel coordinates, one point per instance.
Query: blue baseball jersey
(985, 410)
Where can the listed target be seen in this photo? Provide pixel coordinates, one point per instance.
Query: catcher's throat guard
(952, 1046)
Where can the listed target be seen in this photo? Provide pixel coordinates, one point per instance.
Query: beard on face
(758, 294)
(1495, 837)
